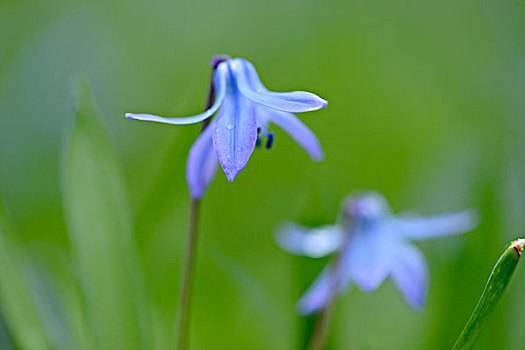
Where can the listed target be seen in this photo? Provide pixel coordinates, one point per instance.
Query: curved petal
(235, 134)
(250, 86)
(420, 228)
(220, 86)
(319, 294)
(410, 274)
(295, 128)
(202, 163)
(312, 242)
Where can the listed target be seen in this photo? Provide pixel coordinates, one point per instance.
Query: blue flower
(371, 244)
(244, 108)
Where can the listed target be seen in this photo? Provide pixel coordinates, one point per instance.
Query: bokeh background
(425, 105)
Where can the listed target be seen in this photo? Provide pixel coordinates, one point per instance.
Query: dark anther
(269, 142)
(258, 130)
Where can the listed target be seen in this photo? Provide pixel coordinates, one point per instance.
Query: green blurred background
(425, 105)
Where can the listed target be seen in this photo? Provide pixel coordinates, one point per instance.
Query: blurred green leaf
(54, 311)
(6, 338)
(498, 281)
(98, 221)
(15, 299)
(253, 298)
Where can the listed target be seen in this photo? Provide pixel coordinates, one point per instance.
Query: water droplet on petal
(229, 126)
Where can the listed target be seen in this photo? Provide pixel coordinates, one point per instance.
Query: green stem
(498, 281)
(183, 341)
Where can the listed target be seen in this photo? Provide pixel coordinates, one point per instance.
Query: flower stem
(320, 331)
(322, 324)
(183, 341)
(184, 321)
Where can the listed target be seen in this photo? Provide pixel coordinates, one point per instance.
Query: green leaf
(6, 338)
(99, 225)
(498, 281)
(23, 324)
(55, 310)
(253, 298)
(59, 301)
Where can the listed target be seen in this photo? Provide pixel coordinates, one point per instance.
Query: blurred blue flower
(244, 109)
(371, 244)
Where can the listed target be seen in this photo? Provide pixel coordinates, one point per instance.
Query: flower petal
(409, 273)
(220, 86)
(236, 133)
(318, 295)
(314, 243)
(202, 163)
(295, 128)
(419, 228)
(368, 260)
(250, 86)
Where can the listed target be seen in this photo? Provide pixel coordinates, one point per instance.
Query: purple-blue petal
(235, 134)
(202, 163)
(409, 273)
(312, 242)
(420, 228)
(319, 294)
(368, 260)
(250, 86)
(295, 128)
(220, 86)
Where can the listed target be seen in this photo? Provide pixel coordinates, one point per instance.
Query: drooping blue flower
(244, 109)
(370, 244)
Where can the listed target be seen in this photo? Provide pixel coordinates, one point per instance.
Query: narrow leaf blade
(498, 281)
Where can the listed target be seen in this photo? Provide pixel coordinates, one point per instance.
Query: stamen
(258, 143)
(269, 142)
